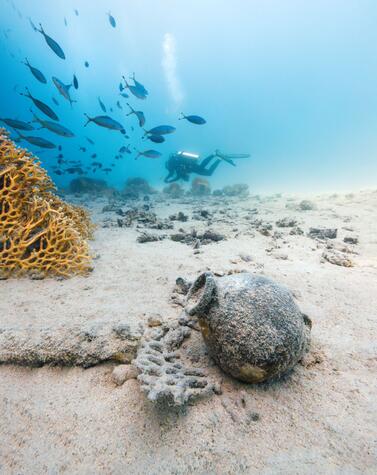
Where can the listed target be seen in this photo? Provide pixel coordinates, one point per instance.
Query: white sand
(320, 419)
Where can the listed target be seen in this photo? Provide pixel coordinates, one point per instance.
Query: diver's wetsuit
(181, 167)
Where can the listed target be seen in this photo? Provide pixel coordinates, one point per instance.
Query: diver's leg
(204, 172)
(206, 161)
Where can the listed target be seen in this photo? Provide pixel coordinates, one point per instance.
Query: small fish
(94, 155)
(86, 64)
(61, 161)
(125, 95)
(97, 164)
(119, 105)
(41, 105)
(156, 138)
(72, 170)
(52, 43)
(58, 172)
(89, 140)
(60, 147)
(107, 170)
(160, 130)
(17, 124)
(139, 86)
(125, 149)
(35, 72)
(53, 127)
(75, 82)
(82, 149)
(194, 119)
(63, 89)
(60, 155)
(76, 12)
(134, 90)
(121, 87)
(55, 101)
(148, 154)
(65, 21)
(139, 114)
(102, 105)
(38, 141)
(107, 122)
(32, 25)
(112, 20)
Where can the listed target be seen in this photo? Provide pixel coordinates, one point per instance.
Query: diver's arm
(170, 178)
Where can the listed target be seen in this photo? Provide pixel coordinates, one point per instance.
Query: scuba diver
(181, 164)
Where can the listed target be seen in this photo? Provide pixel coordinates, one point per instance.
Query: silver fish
(38, 141)
(102, 105)
(107, 122)
(139, 114)
(63, 89)
(17, 124)
(160, 130)
(53, 127)
(41, 105)
(52, 43)
(194, 119)
(148, 154)
(35, 72)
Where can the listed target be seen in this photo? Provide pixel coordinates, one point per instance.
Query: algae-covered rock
(251, 325)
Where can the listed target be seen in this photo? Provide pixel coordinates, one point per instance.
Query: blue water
(292, 83)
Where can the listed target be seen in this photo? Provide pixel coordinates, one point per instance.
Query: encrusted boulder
(137, 186)
(84, 184)
(174, 190)
(252, 327)
(200, 187)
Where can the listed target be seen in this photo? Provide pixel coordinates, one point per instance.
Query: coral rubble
(165, 379)
(40, 234)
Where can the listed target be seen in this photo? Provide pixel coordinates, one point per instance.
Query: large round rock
(251, 325)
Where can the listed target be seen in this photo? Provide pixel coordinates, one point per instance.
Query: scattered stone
(306, 205)
(351, 240)
(147, 237)
(179, 217)
(286, 223)
(245, 257)
(323, 233)
(265, 229)
(296, 231)
(154, 320)
(123, 373)
(337, 258)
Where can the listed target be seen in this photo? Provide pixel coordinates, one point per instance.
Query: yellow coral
(39, 232)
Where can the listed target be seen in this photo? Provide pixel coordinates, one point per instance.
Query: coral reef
(174, 190)
(137, 186)
(40, 234)
(85, 184)
(84, 344)
(239, 189)
(251, 325)
(163, 377)
(200, 187)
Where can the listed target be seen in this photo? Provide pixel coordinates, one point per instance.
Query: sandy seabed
(320, 419)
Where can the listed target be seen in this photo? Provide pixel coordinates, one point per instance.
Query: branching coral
(39, 233)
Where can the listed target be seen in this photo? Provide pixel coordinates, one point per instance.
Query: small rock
(338, 258)
(306, 205)
(123, 373)
(286, 223)
(154, 320)
(351, 240)
(323, 233)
